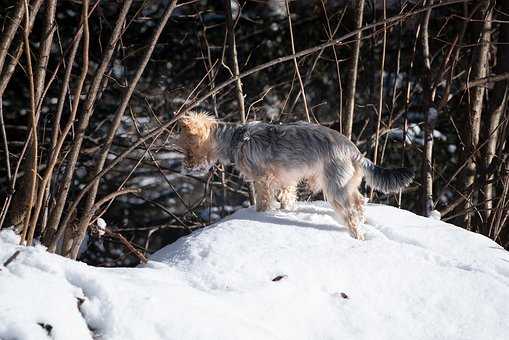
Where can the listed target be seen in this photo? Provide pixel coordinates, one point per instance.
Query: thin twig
(9, 33)
(352, 75)
(127, 244)
(296, 64)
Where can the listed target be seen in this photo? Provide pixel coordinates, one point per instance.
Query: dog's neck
(228, 139)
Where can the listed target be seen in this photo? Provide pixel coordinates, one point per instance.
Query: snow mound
(276, 275)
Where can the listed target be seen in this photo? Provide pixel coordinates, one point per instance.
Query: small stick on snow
(11, 258)
(128, 245)
(279, 278)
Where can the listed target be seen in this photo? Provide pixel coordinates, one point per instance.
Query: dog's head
(197, 140)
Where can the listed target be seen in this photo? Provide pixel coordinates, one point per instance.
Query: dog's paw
(360, 236)
(357, 234)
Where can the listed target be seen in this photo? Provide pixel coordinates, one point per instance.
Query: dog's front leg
(287, 197)
(264, 193)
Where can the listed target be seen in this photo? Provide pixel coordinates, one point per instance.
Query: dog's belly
(289, 176)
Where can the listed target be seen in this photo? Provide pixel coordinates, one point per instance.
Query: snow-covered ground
(277, 275)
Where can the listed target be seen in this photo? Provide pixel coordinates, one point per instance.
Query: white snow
(413, 278)
(101, 225)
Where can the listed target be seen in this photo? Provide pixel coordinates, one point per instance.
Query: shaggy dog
(277, 157)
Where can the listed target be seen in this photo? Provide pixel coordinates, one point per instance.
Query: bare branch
(295, 63)
(57, 210)
(352, 75)
(84, 221)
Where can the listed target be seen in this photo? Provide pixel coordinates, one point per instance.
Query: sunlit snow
(276, 275)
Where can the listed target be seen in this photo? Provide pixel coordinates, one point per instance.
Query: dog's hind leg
(287, 197)
(347, 212)
(340, 185)
(359, 204)
(355, 197)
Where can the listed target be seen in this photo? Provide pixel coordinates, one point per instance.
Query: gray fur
(386, 180)
(291, 146)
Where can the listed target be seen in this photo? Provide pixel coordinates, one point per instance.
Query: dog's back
(294, 143)
(300, 145)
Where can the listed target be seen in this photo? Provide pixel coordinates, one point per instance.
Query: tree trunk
(480, 70)
(430, 117)
(497, 106)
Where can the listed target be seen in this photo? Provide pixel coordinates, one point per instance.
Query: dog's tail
(386, 180)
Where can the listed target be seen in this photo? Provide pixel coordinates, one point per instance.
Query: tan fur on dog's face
(197, 140)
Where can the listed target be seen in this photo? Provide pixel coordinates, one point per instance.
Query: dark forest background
(91, 92)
